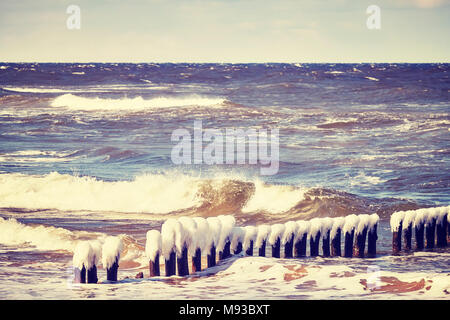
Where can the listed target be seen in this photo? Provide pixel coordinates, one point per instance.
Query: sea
(86, 151)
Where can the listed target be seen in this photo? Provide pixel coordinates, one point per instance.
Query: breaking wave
(175, 193)
(74, 102)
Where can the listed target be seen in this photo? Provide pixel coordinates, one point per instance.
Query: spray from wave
(74, 102)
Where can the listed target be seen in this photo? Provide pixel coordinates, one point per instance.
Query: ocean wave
(74, 102)
(176, 193)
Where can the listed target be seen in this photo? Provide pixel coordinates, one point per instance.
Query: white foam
(276, 231)
(227, 223)
(74, 102)
(153, 244)
(290, 229)
(111, 250)
(263, 232)
(273, 198)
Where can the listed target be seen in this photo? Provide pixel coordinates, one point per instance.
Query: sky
(235, 31)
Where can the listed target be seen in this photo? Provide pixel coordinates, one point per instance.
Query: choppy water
(86, 147)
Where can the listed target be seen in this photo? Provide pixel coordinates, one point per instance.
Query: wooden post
(348, 245)
(372, 237)
(197, 260)
(276, 248)
(249, 250)
(407, 237)
(170, 264)
(226, 253)
(326, 244)
(92, 275)
(300, 246)
(238, 248)
(397, 239)
(111, 272)
(288, 248)
(441, 231)
(360, 243)
(262, 249)
(153, 266)
(314, 244)
(211, 258)
(419, 231)
(182, 262)
(430, 230)
(336, 244)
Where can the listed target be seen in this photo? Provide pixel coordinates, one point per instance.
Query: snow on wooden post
(168, 233)
(301, 238)
(290, 230)
(335, 235)
(203, 237)
(185, 242)
(441, 227)
(361, 234)
(249, 239)
(407, 226)
(372, 235)
(327, 224)
(276, 232)
(430, 229)
(82, 259)
(215, 227)
(238, 234)
(261, 239)
(396, 228)
(419, 227)
(314, 236)
(112, 247)
(351, 222)
(153, 250)
(227, 222)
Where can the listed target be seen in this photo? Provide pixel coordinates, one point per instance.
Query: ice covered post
(153, 250)
(361, 234)
(441, 227)
(82, 261)
(112, 247)
(287, 240)
(351, 222)
(96, 256)
(224, 246)
(203, 238)
(276, 232)
(314, 236)
(396, 228)
(249, 239)
(327, 224)
(237, 239)
(301, 238)
(407, 226)
(335, 235)
(430, 228)
(372, 235)
(215, 229)
(261, 239)
(186, 242)
(168, 232)
(419, 227)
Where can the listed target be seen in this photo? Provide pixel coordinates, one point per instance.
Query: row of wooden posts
(354, 245)
(430, 225)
